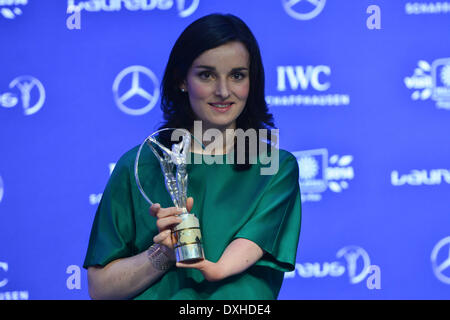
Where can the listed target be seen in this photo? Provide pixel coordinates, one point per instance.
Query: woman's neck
(215, 140)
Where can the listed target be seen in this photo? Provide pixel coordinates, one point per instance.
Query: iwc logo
(136, 90)
(305, 85)
(9, 295)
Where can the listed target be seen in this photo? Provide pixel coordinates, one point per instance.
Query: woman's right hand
(166, 221)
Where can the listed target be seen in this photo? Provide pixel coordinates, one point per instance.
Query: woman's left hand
(212, 271)
(239, 255)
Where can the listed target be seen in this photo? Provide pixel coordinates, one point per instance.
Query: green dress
(265, 209)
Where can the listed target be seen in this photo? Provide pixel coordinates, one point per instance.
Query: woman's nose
(222, 89)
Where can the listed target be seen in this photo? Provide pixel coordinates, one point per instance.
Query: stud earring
(183, 90)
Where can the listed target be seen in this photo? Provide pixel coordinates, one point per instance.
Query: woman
(250, 222)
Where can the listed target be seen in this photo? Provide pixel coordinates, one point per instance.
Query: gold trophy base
(189, 252)
(189, 238)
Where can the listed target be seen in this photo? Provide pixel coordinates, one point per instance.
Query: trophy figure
(187, 233)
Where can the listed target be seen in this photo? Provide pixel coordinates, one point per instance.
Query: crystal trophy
(173, 157)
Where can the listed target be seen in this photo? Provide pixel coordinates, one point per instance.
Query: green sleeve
(275, 224)
(113, 231)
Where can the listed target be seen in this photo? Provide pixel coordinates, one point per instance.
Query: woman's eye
(205, 75)
(238, 76)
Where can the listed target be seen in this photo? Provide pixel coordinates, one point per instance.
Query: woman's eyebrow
(205, 67)
(214, 69)
(239, 69)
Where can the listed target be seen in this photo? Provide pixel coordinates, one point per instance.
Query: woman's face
(218, 85)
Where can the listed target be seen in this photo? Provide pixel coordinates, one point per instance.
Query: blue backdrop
(360, 91)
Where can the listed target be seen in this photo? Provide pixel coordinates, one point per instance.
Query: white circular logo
(440, 260)
(309, 168)
(4, 266)
(134, 99)
(303, 9)
(25, 84)
(353, 254)
(445, 75)
(1, 189)
(185, 12)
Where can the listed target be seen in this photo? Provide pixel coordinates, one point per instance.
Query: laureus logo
(32, 95)
(431, 81)
(420, 177)
(184, 8)
(358, 262)
(303, 9)
(353, 259)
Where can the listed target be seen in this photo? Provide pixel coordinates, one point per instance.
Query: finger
(160, 237)
(189, 203)
(182, 265)
(186, 265)
(168, 222)
(196, 264)
(173, 238)
(154, 209)
(166, 212)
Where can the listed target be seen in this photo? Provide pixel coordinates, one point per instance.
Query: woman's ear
(183, 86)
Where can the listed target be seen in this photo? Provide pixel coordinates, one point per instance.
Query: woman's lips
(221, 106)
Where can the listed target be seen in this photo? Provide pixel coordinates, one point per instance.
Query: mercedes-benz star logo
(306, 10)
(441, 262)
(123, 98)
(4, 266)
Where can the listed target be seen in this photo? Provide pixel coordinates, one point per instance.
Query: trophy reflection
(173, 162)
